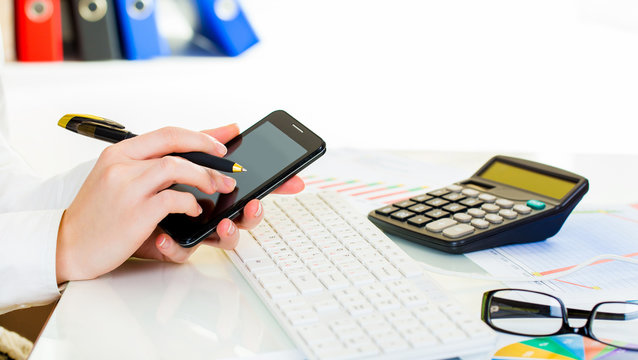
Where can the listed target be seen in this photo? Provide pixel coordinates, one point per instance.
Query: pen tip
(243, 169)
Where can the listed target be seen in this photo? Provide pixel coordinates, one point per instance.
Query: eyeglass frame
(565, 328)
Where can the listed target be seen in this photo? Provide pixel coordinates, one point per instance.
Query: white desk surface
(439, 80)
(204, 309)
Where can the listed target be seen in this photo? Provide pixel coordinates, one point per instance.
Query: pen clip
(72, 121)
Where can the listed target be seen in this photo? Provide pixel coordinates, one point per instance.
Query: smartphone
(272, 151)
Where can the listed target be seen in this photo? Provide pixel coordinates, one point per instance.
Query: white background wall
(550, 76)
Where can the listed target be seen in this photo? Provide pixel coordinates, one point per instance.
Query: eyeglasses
(613, 323)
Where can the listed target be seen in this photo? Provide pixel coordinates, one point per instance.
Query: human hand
(116, 212)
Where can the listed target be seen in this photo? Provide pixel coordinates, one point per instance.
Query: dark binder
(96, 29)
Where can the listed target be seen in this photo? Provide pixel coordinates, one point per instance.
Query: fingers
(226, 235)
(224, 133)
(172, 202)
(168, 170)
(292, 186)
(171, 250)
(170, 140)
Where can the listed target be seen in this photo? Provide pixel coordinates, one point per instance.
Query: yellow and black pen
(113, 132)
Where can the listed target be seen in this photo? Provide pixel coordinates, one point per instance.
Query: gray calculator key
(493, 218)
(480, 223)
(490, 208)
(470, 192)
(462, 217)
(504, 203)
(522, 209)
(508, 214)
(488, 198)
(439, 225)
(477, 213)
(458, 231)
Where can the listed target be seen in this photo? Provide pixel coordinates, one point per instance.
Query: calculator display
(539, 183)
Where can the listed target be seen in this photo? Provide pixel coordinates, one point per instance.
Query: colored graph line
(338, 184)
(397, 193)
(375, 190)
(358, 187)
(579, 285)
(548, 272)
(320, 181)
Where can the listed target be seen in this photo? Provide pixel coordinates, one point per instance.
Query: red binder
(38, 30)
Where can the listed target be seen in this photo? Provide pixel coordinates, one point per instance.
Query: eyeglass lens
(616, 324)
(542, 314)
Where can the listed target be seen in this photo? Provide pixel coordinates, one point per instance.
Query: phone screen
(269, 155)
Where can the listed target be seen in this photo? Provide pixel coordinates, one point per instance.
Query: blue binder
(224, 23)
(139, 34)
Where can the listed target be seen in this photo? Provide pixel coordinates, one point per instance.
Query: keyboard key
(404, 204)
(419, 208)
(421, 198)
(436, 202)
(437, 213)
(457, 231)
(439, 192)
(247, 249)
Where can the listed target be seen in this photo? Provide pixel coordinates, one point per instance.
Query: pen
(113, 132)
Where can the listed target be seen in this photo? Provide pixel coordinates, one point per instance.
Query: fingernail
(231, 228)
(259, 209)
(221, 148)
(230, 182)
(199, 209)
(163, 243)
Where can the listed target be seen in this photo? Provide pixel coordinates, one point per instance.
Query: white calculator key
(438, 225)
(480, 223)
(458, 231)
(455, 188)
(508, 214)
(504, 203)
(477, 213)
(490, 208)
(470, 192)
(522, 209)
(493, 218)
(462, 217)
(488, 198)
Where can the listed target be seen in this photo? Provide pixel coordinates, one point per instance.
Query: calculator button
(470, 192)
(480, 223)
(386, 210)
(419, 220)
(504, 203)
(471, 202)
(454, 188)
(458, 230)
(536, 204)
(493, 218)
(437, 213)
(439, 225)
(462, 217)
(421, 198)
(454, 208)
(401, 215)
(488, 198)
(419, 208)
(437, 202)
(477, 213)
(404, 204)
(439, 192)
(508, 214)
(522, 209)
(454, 196)
(490, 208)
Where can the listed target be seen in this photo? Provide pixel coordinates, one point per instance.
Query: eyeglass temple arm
(534, 310)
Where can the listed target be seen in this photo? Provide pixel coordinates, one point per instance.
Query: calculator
(507, 201)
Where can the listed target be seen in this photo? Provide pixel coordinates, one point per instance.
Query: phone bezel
(314, 146)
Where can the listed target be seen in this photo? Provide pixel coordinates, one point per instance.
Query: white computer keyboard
(342, 289)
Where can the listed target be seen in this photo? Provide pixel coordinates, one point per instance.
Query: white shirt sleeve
(30, 213)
